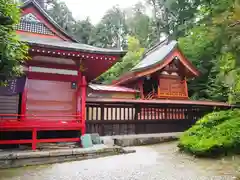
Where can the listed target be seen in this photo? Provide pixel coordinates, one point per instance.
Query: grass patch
(217, 133)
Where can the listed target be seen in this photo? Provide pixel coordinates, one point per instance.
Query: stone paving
(158, 162)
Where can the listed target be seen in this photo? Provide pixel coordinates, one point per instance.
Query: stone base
(29, 158)
(143, 139)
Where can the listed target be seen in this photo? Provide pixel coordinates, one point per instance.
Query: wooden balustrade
(136, 118)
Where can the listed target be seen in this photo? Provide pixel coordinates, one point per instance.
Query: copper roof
(111, 88)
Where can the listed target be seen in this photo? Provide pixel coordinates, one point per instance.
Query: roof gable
(170, 57)
(36, 20)
(156, 59)
(30, 23)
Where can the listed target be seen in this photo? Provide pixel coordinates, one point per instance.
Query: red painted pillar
(24, 99)
(78, 96)
(83, 105)
(24, 102)
(34, 139)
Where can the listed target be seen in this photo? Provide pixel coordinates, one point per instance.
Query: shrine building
(162, 73)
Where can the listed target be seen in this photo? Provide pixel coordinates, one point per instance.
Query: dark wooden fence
(134, 118)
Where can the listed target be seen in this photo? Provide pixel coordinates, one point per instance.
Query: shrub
(215, 134)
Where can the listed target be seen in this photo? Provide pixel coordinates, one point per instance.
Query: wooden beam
(53, 77)
(140, 85)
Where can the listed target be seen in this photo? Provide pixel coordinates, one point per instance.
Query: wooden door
(171, 87)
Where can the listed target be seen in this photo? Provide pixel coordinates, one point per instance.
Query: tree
(133, 56)
(82, 30)
(229, 60)
(214, 48)
(138, 23)
(12, 51)
(173, 17)
(59, 11)
(111, 31)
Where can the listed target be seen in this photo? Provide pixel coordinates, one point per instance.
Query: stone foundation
(140, 139)
(29, 158)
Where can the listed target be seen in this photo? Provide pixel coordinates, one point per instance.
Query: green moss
(215, 134)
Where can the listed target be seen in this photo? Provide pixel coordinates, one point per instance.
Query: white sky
(95, 9)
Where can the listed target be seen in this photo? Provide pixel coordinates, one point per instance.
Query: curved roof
(155, 59)
(155, 55)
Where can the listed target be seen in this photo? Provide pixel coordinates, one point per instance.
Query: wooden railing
(136, 118)
(35, 124)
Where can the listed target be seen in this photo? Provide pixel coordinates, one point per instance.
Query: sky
(95, 9)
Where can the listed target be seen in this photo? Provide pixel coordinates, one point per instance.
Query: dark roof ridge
(49, 18)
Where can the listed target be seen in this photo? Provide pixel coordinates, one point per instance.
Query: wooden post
(140, 85)
(159, 90)
(78, 94)
(24, 99)
(185, 86)
(83, 105)
(24, 102)
(102, 133)
(34, 139)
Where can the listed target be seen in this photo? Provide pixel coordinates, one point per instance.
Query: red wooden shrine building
(161, 74)
(56, 76)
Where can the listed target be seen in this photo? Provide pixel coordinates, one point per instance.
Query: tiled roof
(100, 87)
(155, 55)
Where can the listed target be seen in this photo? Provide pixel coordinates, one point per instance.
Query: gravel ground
(159, 162)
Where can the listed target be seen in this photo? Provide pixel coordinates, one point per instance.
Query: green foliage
(12, 51)
(59, 11)
(215, 134)
(132, 57)
(111, 30)
(173, 17)
(139, 24)
(81, 30)
(213, 46)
